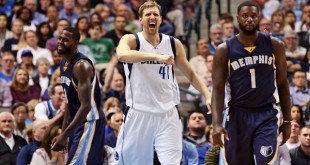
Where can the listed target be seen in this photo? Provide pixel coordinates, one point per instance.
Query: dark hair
(64, 19)
(3, 14)
(98, 15)
(299, 70)
(19, 12)
(19, 104)
(50, 134)
(248, 3)
(192, 112)
(78, 21)
(75, 33)
(227, 17)
(41, 40)
(51, 88)
(300, 121)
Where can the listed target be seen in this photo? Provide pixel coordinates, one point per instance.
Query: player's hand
(218, 130)
(59, 143)
(166, 59)
(285, 129)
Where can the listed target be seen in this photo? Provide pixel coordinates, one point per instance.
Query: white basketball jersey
(151, 86)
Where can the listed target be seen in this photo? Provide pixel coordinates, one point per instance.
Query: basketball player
(254, 67)
(84, 119)
(152, 93)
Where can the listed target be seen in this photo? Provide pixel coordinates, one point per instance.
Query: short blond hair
(147, 5)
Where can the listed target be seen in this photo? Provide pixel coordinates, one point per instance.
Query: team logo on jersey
(250, 48)
(266, 150)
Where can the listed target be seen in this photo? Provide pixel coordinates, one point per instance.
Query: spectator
(51, 110)
(111, 106)
(4, 32)
(38, 17)
(37, 52)
(5, 94)
(265, 25)
(61, 24)
(26, 16)
(20, 88)
(82, 25)
(196, 124)
(104, 12)
(189, 153)
(228, 30)
(293, 141)
(301, 155)
(68, 11)
(20, 112)
(52, 16)
(297, 114)
(123, 10)
(300, 93)
(116, 122)
(119, 29)
(10, 144)
(102, 48)
(38, 130)
(290, 19)
(44, 33)
(202, 150)
(56, 59)
(27, 58)
(11, 45)
(42, 78)
(96, 18)
(31, 105)
(44, 155)
(7, 67)
(304, 23)
(283, 155)
(114, 85)
(83, 8)
(43, 5)
(216, 37)
(289, 5)
(292, 49)
(277, 19)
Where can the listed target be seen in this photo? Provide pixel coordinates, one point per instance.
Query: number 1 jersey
(251, 73)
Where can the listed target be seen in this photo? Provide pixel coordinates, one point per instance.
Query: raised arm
(220, 71)
(126, 52)
(282, 84)
(184, 66)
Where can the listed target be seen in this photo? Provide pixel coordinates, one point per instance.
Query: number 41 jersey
(251, 74)
(150, 85)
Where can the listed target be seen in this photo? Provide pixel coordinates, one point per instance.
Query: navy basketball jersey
(251, 75)
(70, 84)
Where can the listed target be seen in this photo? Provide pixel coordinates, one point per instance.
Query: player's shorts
(252, 136)
(141, 132)
(86, 143)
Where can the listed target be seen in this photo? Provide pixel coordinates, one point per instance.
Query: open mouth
(152, 25)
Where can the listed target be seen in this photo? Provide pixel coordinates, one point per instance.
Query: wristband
(287, 121)
(52, 162)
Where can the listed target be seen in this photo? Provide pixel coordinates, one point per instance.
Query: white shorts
(142, 132)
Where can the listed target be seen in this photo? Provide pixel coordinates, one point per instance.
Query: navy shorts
(86, 143)
(252, 136)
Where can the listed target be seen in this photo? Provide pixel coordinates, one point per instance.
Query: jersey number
(163, 70)
(253, 81)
